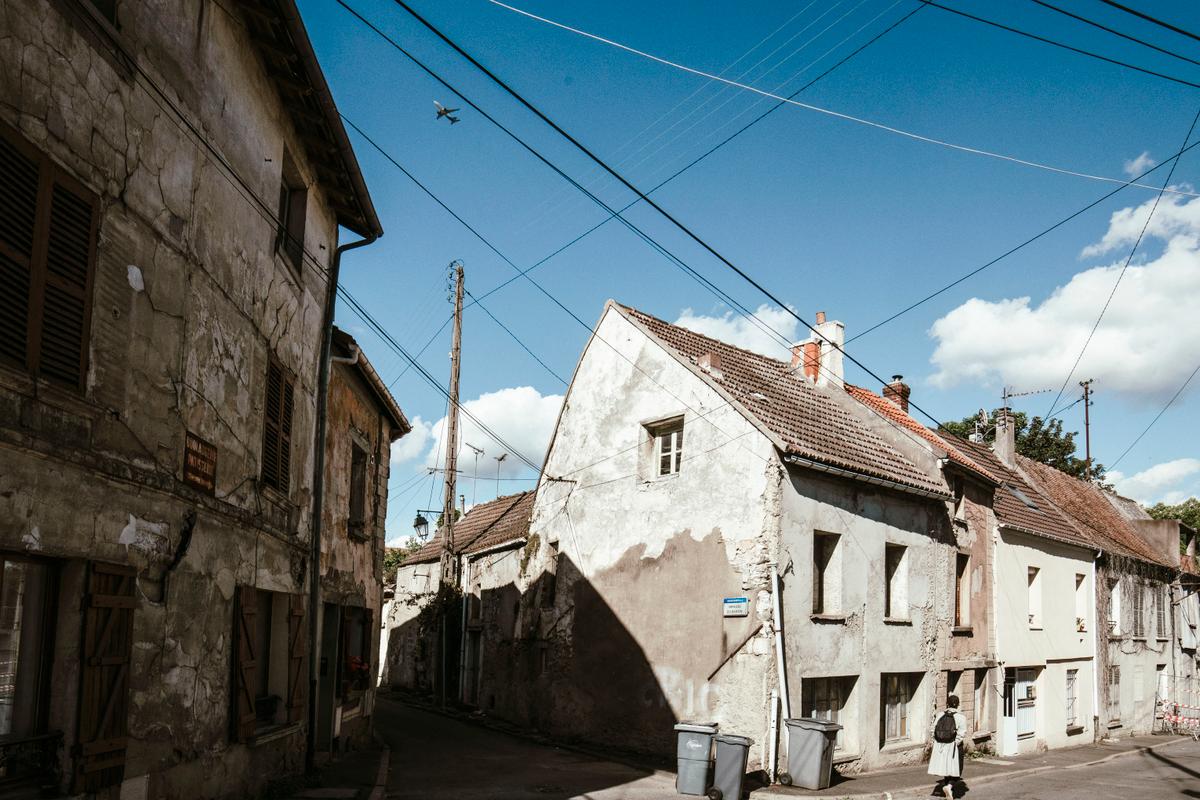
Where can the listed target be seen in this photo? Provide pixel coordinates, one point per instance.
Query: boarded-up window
(277, 428)
(358, 490)
(47, 259)
(104, 676)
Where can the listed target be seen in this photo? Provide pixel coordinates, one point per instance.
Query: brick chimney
(1005, 446)
(822, 363)
(710, 363)
(898, 391)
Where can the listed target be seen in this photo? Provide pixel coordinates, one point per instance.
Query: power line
(1021, 246)
(1054, 43)
(703, 156)
(1114, 31)
(1151, 19)
(818, 109)
(666, 215)
(517, 339)
(1125, 267)
(1146, 430)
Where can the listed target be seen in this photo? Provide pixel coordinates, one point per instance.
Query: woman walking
(949, 729)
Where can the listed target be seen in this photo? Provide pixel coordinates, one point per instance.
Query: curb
(907, 792)
(381, 775)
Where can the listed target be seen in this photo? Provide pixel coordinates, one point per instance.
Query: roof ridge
(705, 336)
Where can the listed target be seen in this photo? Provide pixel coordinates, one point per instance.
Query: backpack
(946, 729)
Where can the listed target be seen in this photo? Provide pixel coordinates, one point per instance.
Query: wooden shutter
(297, 653)
(18, 212)
(245, 664)
(277, 428)
(104, 685)
(48, 224)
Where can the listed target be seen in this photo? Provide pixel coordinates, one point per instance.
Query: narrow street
(438, 758)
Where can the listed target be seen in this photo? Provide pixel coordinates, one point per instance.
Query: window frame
(1161, 603)
(1034, 607)
(360, 483)
(292, 219)
(897, 691)
(1138, 609)
(962, 590)
(43, 689)
(657, 434)
(828, 691)
(895, 577)
(826, 596)
(281, 481)
(1071, 694)
(35, 264)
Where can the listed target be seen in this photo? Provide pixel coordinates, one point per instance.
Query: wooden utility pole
(1087, 429)
(449, 571)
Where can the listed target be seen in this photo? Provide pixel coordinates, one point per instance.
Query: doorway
(326, 698)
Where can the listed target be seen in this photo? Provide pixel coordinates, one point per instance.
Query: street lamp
(421, 527)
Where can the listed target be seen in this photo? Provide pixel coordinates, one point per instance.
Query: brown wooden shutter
(297, 653)
(104, 684)
(277, 428)
(245, 664)
(70, 253)
(285, 436)
(18, 212)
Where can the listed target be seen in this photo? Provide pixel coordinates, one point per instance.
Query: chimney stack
(710, 363)
(821, 354)
(1005, 446)
(898, 391)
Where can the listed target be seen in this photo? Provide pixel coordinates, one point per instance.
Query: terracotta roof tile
(485, 525)
(895, 413)
(810, 421)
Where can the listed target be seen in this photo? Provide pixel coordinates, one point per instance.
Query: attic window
(664, 448)
(1017, 493)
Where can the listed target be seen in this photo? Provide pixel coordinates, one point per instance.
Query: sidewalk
(914, 782)
(360, 775)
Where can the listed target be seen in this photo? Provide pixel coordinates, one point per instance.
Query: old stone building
(172, 182)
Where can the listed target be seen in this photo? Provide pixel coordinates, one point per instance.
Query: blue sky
(829, 214)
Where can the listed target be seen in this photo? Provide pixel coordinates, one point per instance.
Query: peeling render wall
(352, 564)
(405, 661)
(851, 639)
(189, 302)
(634, 640)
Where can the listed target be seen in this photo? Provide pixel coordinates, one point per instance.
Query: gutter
(318, 484)
(864, 478)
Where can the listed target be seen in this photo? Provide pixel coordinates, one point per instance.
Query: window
(897, 690)
(1035, 598)
(827, 577)
(293, 206)
(962, 591)
(358, 491)
(1138, 609)
(1114, 693)
(981, 700)
(277, 429)
(895, 596)
(1072, 698)
(826, 699)
(1114, 608)
(48, 227)
(1081, 602)
(666, 440)
(354, 654)
(1161, 602)
(268, 661)
(26, 635)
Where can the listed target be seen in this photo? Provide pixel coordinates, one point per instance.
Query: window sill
(829, 619)
(896, 621)
(900, 746)
(273, 733)
(1036, 627)
(962, 630)
(1161, 639)
(1074, 730)
(1137, 638)
(1113, 724)
(845, 758)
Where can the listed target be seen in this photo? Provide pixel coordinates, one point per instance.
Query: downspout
(1096, 649)
(777, 624)
(318, 483)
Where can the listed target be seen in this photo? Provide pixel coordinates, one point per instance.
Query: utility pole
(449, 562)
(1087, 428)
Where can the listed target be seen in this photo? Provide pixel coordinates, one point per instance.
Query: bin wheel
(785, 779)
(714, 794)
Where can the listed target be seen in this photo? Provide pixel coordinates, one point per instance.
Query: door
(1026, 693)
(327, 699)
(1008, 719)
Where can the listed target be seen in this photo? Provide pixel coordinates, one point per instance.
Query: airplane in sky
(448, 113)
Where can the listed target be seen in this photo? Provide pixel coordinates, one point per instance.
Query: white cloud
(520, 415)
(1169, 482)
(1147, 344)
(1136, 166)
(739, 331)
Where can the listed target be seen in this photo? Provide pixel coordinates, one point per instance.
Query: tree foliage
(393, 557)
(1038, 440)
(1188, 512)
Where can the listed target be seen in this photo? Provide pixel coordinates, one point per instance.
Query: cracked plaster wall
(189, 301)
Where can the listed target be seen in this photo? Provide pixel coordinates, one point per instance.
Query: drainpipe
(1096, 651)
(777, 624)
(318, 483)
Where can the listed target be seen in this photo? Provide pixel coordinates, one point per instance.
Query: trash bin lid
(729, 738)
(696, 727)
(813, 724)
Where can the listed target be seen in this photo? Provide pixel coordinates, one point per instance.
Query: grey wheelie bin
(694, 753)
(810, 752)
(730, 769)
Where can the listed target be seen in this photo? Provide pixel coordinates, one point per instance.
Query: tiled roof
(1087, 507)
(1018, 504)
(486, 525)
(810, 420)
(895, 413)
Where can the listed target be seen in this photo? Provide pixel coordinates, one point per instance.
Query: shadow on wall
(555, 658)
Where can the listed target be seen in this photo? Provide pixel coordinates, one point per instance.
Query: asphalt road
(438, 758)
(1168, 773)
